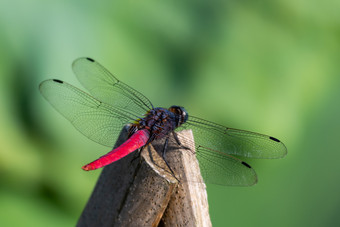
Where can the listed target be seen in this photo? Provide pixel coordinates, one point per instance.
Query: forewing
(223, 169)
(98, 121)
(234, 141)
(107, 88)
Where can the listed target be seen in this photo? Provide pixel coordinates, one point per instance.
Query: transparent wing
(220, 168)
(98, 121)
(107, 88)
(234, 141)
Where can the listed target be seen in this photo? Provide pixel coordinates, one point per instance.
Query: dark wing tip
(246, 164)
(254, 180)
(45, 82)
(58, 81)
(283, 148)
(274, 139)
(80, 61)
(90, 59)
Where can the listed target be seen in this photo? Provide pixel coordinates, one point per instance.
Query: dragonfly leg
(163, 156)
(176, 138)
(179, 142)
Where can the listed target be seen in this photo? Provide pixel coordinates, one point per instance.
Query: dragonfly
(111, 104)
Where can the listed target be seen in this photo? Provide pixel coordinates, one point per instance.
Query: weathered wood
(188, 206)
(140, 190)
(148, 196)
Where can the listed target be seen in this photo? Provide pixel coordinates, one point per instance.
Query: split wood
(139, 190)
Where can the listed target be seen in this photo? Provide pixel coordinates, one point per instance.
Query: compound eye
(185, 116)
(175, 109)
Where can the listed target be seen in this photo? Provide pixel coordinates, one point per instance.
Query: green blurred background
(265, 66)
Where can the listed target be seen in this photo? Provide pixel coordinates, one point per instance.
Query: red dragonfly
(113, 104)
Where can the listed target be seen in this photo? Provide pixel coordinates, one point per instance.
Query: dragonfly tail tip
(87, 167)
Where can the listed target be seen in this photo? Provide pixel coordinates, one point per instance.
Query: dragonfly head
(180, 113)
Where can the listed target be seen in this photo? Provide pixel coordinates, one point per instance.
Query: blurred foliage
(265, 66)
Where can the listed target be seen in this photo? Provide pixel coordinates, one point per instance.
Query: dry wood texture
(139, 190)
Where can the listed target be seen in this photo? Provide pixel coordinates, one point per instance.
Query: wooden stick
(139, 190)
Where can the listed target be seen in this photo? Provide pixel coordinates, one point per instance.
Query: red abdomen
(137, 140)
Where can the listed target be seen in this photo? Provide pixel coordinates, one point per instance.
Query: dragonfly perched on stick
(113, 104)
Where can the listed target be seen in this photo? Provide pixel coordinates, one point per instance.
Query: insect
(113, 104)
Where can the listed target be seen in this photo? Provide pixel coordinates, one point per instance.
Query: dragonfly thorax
(160, 121)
